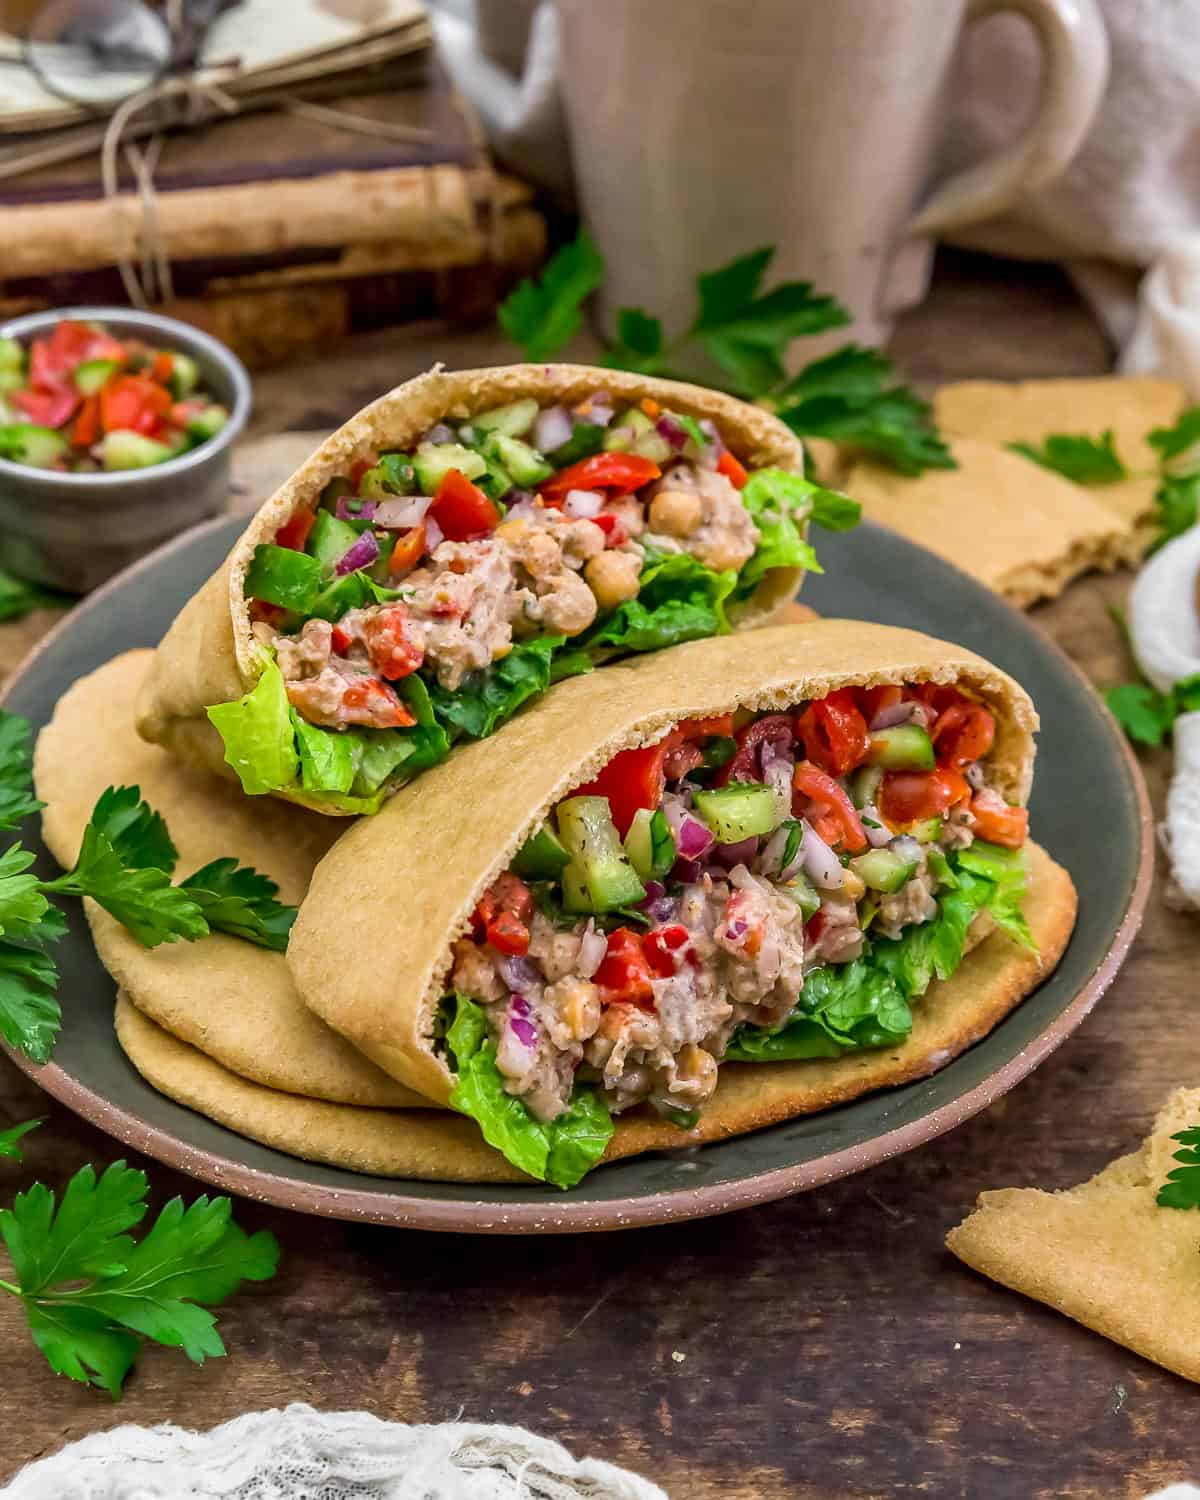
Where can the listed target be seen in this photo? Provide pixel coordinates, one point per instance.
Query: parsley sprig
(92, 1294)
(126, 864)
(1182, 1187)
(1077, 457)
(850, 396)
(1145, 714)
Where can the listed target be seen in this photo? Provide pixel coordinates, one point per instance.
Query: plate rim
(561, 1215)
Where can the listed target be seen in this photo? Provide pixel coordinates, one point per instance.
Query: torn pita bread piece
(1105, 1253)
(1016, 527)
(379, 606)
(647, 900)
(234, 1001)
(1030, 411)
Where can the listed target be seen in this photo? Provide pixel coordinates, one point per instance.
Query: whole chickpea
(695, 1075)
(613, 577)
(675, 512)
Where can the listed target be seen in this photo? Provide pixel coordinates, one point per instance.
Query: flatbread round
(418, 868)
(209, 655)
(233, 1000)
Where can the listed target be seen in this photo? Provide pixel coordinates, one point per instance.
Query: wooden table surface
(823, 1346)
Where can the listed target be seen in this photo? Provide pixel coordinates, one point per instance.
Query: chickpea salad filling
(430, 592)
(753, 887)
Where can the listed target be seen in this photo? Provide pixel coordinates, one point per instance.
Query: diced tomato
(815, 925)
(631, 780)
(618, 473)
(294, 533)
(508, 934)
(744, 927)
(1008, 826)
(613, 527)
(939, 696)
(133, 403)
(48, 408)
(874, 700)
(371, 702)
(270, 614)
(162, 366)
(408, 551)
(340, 640)
(834, 732)
(624, 973)
(827, 826)
(965, 732)
(72, 343)
(87, 424)
(659, 946)
(744, 765)
(811, 784)
(391, 649)
(911, 796)
(503, 914)
(182, 412)
(461, 508)
(732, 470)
(683, 753)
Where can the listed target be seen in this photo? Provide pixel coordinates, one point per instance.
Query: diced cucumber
(495, 481)
(739, 811)
(804, 894)
(206, 423)
(334, 491)
(865, 784)
(349, 592)
(636, 420)
(867, 913)
(526, 465)
(433, 461)
(992, 860)
(541, 856)
(92, 373)
(939, 867)
(654, 446)
(576, 897)
(598, 869)
(928, 831)
(585, 440)
(392, 475)
(27, 443)
(904, 747)
(131, 450)
(184, 376)
(650, 844)
(330, 538)
(881, 870)
(12, 355)
(283, 576)
(514, 420)
(11, 380)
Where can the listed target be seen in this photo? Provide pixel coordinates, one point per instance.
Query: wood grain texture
(831, 1346)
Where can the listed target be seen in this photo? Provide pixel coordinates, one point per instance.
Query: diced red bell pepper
(48, 408)
(391, 649)
(834, 732)
(616, 534)
(461, 508)
(1008, 826)
(744, 765)
(965, 732)
(371, 702)
(294, 533)
(87, 424)
(683, 753)
(939, 696)
(624, 973)
(618, 473)
(341, 640)
(660, 946)
(408, 551)
(508, 934)
(636, 778)
(912, 796)
(133, 403)
(811, 784)
(503, 914)
(732, 470)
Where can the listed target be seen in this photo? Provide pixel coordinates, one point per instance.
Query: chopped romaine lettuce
(680, 600)
(256, 729)
(485, 700)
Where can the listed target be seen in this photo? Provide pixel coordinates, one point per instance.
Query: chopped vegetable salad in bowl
(425, 589)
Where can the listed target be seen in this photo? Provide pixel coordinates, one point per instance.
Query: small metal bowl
(74, 531)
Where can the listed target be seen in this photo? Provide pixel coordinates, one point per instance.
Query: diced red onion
(740, 853)
(694, 839)
(687, 871)
(583, 503)
(974, 775)
(907, 849)
(667, 427)
(922, 715)
(552, 428)
(715, 446)
(820, 863)
(524, 1031)
(592, 947)
(877, 835)
(598, 411)
(898, 713)
(401, 513)
(772, 855)
(364, 510)
(521, 504)
(440, 432)
(361, 555)
(778, 776)
(674, 808)
(434, 535)
(518, 974)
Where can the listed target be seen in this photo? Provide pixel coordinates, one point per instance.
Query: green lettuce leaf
(780, 503)
(486, 699)
(260, 743)
(560, 1151)
(327, 757)
(680, 600)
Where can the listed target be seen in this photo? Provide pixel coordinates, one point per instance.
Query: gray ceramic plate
(1097, 824)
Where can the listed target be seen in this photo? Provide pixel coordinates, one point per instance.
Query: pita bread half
(1028, 411)
(210, 656)
(234, 1001)
(440, 843)
(1104, 1253)
(1016, 527)
(441, 1146)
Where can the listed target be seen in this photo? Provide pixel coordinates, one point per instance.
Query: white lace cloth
(302, 1454)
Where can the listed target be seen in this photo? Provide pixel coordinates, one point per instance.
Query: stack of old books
(350, 190)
